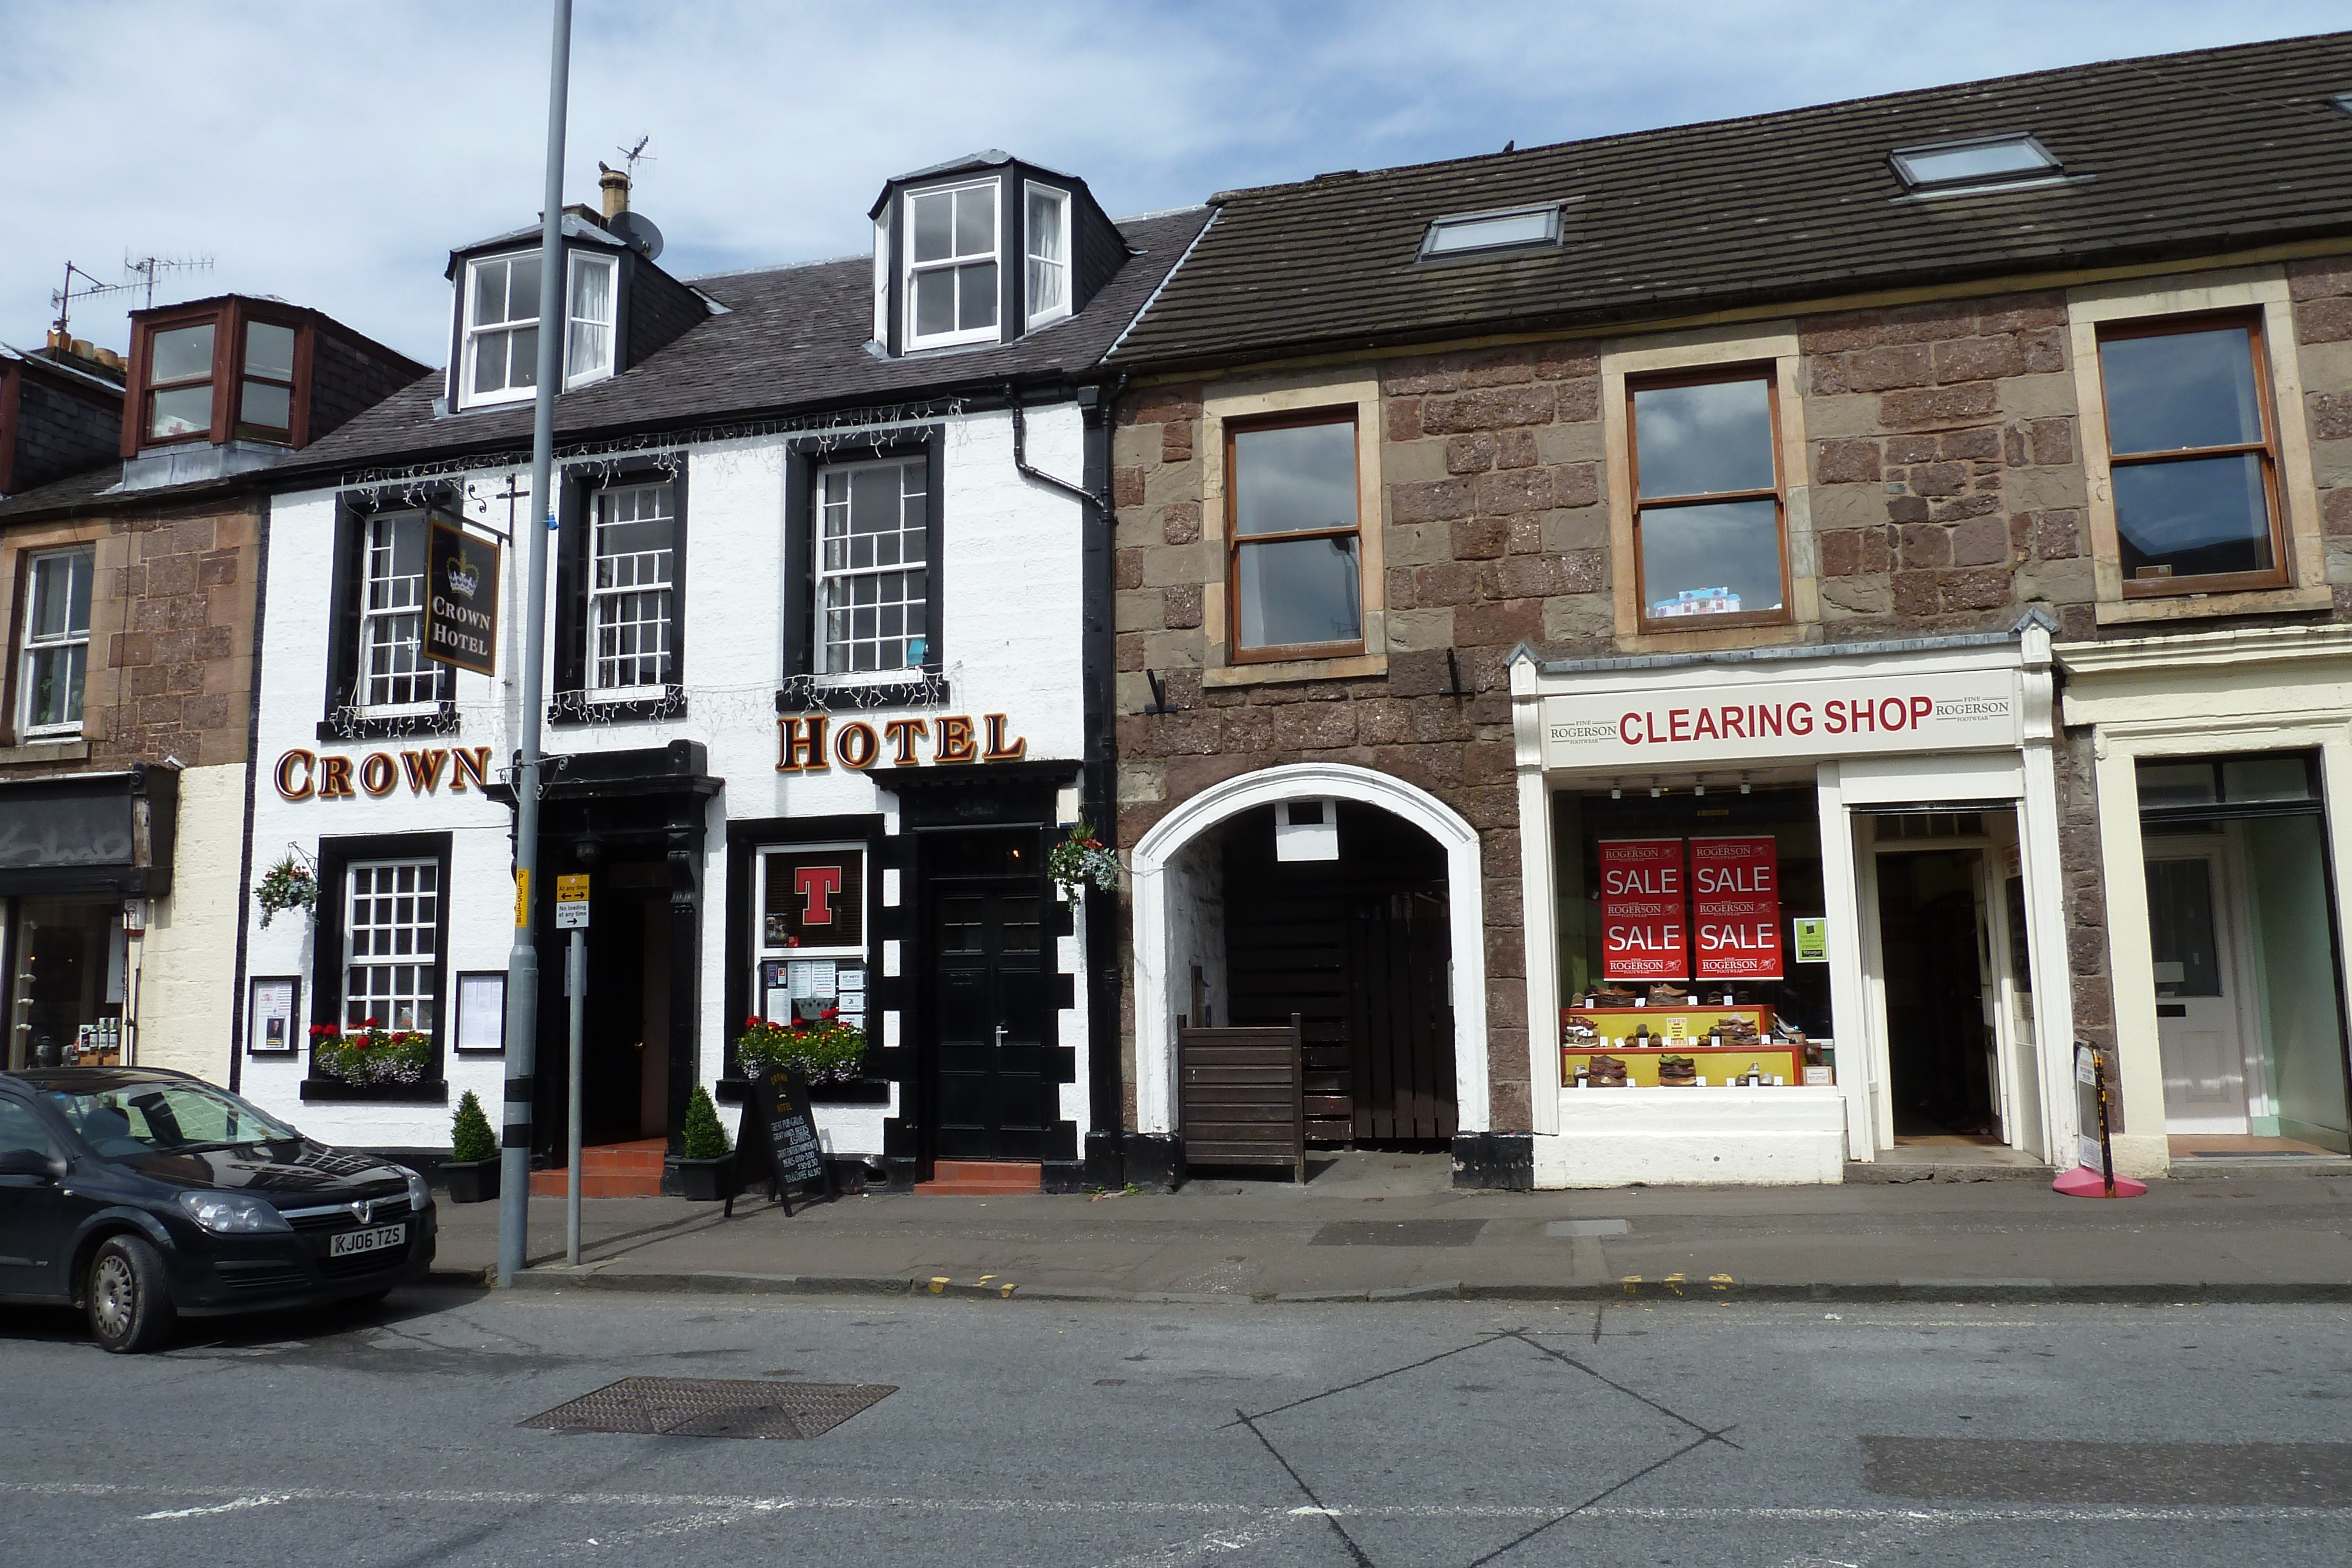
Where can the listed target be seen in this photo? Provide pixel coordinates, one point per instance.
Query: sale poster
(1735, 908)
(1644, 928)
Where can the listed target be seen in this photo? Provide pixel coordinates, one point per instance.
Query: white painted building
(828, 642)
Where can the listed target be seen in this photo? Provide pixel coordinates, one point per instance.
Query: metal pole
(522, 963)
(575, 982)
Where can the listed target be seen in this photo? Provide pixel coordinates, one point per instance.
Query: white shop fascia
(1959, 723)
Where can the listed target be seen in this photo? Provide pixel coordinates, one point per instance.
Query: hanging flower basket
(1081, 861)
(289, 885)
(824, 1048)
(369, 1054)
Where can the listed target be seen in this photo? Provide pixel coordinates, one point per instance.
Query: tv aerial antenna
(640, 232)
(140, 274)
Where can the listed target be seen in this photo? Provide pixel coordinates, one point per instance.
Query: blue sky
(333, 152)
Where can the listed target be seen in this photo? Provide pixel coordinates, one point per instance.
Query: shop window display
(1679, 961)
(65, 994)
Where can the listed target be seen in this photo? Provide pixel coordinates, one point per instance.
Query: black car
(139, 1194)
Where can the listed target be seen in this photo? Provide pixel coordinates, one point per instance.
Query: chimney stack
(615, 187)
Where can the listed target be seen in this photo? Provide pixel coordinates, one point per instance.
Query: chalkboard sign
(778, 1137)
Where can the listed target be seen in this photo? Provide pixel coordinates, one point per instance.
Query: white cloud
(333, 153)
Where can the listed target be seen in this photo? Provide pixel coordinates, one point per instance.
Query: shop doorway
(994, 1026)
(1943, 1044)
(1352, 932)
(625, 1037)
(2244, 958)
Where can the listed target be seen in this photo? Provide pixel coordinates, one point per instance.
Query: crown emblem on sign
(462, 579)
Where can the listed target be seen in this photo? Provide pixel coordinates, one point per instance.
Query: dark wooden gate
(1359, 949)
(1399, 1018)
(1238, 1100)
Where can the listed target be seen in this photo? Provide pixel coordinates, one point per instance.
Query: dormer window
(1049, 254)
(951, 289)
(265, 406)
(502, 329)
(501, 346)
(229, 372)
(180, 383)
(982, 249)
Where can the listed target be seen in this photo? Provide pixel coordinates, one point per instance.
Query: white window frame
(1030, 190)
(371, 615)
(823, 577)
(600, 367)
(425, 989)
(476, 332)
(994, 330)
(32, 645)
(605, 602)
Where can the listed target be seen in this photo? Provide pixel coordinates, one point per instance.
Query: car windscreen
(166, 1118)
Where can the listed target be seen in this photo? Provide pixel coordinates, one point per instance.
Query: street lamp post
(522, 962)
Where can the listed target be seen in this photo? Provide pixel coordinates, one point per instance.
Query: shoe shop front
(1790, 907)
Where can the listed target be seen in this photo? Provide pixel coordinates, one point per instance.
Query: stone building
(1860, 589)
(129, 553)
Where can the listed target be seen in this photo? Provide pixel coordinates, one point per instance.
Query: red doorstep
(609, 1170)
(983, 1178)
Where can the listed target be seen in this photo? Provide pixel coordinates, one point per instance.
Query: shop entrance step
(983, 1178)
(609, 1170)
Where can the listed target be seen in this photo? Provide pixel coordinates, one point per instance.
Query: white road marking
(230, 1507)
(686, 1502)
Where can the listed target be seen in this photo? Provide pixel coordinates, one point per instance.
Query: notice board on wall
(1644, 933)
(1735, 908)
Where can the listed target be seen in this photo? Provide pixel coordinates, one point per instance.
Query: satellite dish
(639, 231)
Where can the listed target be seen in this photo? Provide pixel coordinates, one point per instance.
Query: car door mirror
(30, 1162)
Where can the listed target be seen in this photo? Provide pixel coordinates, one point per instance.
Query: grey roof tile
(794, 339)
(2172, 156)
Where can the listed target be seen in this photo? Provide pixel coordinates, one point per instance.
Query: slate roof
(794, 339)
(2171, 156)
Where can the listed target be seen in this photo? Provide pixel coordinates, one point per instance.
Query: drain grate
(713, 1408)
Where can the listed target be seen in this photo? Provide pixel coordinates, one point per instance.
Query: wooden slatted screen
(1239, 1098)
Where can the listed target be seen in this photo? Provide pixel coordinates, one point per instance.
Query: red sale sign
(1735, 908)
(1644, 933)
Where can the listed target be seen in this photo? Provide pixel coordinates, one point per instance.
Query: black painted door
(995, 1022)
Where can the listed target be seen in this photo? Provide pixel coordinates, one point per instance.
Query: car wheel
(129, 1295)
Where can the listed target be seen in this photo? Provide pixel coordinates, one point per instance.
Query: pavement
(1373, 1226)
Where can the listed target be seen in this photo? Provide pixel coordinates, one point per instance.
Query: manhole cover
(713, 1408)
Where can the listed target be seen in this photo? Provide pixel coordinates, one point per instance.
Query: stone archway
(1159, 988)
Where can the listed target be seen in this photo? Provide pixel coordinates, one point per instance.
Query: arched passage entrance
(1181, 899)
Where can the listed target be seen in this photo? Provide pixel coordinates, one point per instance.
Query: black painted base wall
(1494, 1162)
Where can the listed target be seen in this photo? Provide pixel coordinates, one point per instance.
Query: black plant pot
(707, 1181)
(472, 1181)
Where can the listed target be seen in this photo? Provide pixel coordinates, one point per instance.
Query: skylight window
(1967, 165)
(1476, 234)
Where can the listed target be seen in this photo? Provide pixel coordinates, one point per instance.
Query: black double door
(994, 1036)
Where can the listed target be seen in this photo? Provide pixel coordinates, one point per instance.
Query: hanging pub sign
(1735, 908)
(1644, 932)
(461, 598)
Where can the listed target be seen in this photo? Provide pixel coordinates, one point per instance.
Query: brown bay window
(1709, 511)
(2192, 455)
(1293, 528)
(222, 373)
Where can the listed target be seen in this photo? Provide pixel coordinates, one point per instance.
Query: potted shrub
(706, 1167)
(824, 1048)
(473, 1165)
